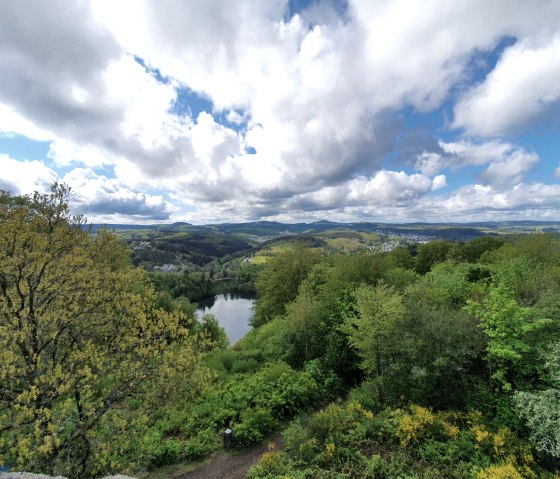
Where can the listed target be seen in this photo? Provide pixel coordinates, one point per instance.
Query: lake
(233, 311)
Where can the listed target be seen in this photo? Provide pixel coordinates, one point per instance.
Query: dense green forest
(438, 360)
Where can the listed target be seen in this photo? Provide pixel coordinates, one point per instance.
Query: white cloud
(12, 122)
(523, 85)
(106, 200)
(319, 97)
(526, 201)
(25, 177)
(430, 163)
(507, 163)
(439, 182)
(510, 170)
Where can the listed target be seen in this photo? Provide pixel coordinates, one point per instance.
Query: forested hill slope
(456, 231)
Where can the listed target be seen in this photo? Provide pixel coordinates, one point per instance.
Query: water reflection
(233, 311)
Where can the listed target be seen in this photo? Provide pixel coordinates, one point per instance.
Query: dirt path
(231, 466)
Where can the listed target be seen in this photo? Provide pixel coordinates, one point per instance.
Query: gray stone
(28, 475)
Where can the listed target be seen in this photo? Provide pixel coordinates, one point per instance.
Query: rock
(28, 475)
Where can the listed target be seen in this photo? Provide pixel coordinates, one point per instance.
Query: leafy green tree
(530, 266)
(373, 331)
(440, 355)
(475, 248)
(303, 318)
(400, 257)
(210, 328)
(446, 286)
(541, 409)
(78, 336)
(429, 254)
(278, 284)
(507, 326)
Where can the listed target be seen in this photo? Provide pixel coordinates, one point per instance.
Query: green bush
(204, 443)
(254, 425)
(159, 451)
(367, 394)
(245, 365)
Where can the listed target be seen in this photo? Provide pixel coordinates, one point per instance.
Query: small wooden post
(228, 436)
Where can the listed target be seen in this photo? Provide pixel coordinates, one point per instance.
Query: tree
(303, 316)
(541, 409)
(278, 283)
(210, 328)
(441, 350)
(475, 248)
(429, 254)
(79, 334)
(373, 331)
(507, 325)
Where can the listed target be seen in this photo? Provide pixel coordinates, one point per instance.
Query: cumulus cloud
(305, 108)
(23, 177)
(507, 163)
(523, 86)
(471, 203)
(55, 55)
(315, 97)
(108, 200)
(510, 170)
(527, 201)
(440, 181)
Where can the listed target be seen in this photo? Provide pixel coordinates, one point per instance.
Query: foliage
(506, 324)
(474, 249)
(190, 285)
(210, 328)
(251, 404)
(429, 254)
(350, 441)
(278, 283)
(541, 409)
(78, 336)
(374, 330)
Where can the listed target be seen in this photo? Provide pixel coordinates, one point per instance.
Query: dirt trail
(231, 466)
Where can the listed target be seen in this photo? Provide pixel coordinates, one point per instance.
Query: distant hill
(456, 231)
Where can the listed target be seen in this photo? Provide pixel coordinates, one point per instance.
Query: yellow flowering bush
(506, 471)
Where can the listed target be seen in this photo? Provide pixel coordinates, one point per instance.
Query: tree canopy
(78, 336)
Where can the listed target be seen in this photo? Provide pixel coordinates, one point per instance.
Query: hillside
(210, 248)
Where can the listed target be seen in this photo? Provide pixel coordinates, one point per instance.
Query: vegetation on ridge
(435, 360)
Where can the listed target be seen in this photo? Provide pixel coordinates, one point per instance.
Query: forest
(438, 360)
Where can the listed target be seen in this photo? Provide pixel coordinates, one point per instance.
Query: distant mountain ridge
(274, 227)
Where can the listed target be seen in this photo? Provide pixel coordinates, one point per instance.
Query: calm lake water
(233, 311)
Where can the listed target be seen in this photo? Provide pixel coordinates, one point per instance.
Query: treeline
(189, 248)
(467, 329)
(194, 285)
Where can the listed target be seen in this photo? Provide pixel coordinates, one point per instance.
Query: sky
(213, 111)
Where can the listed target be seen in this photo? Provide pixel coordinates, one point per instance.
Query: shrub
(254, 425)
(205, 442)
(271, 465)
(367, 394)
(506, 471)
